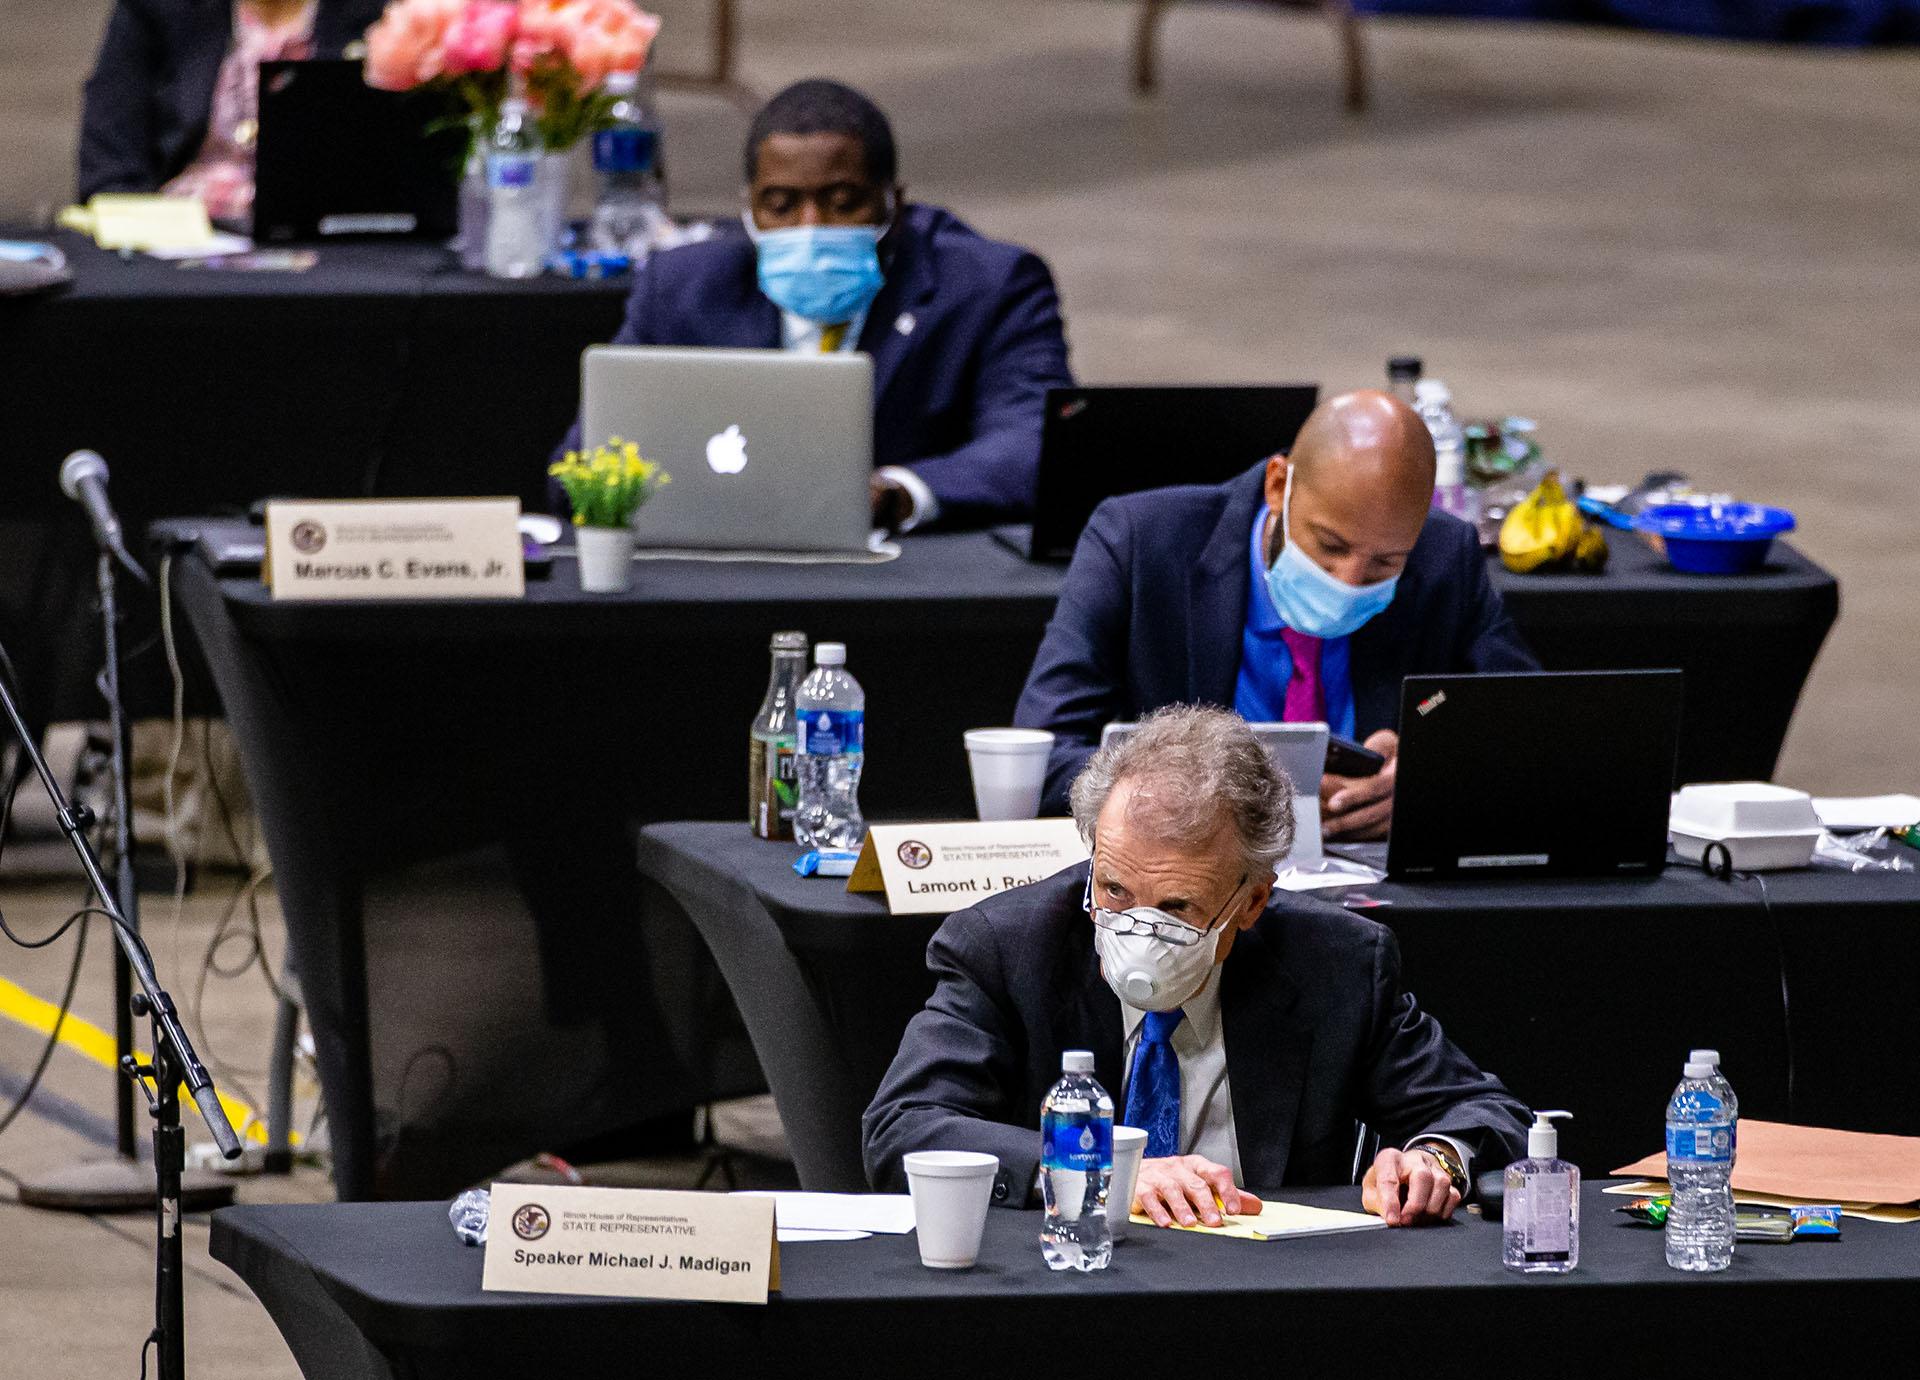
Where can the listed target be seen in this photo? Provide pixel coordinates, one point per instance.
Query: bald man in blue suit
(1305, 590)
(964, 332)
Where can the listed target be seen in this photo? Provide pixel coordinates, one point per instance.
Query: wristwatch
(1448, 1160)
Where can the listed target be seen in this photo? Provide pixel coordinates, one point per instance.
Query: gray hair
(1193, 766)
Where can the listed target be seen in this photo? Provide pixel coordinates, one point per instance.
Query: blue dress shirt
(1260, 694)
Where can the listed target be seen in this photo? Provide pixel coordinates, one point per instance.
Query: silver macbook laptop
(768, 450)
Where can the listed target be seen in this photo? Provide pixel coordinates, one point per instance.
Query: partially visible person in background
(172, 104)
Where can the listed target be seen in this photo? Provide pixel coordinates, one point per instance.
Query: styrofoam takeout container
(1764, 827)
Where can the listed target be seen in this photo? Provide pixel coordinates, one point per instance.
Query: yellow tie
(831, 336)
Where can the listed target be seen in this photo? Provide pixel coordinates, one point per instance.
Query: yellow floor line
(89, 1041)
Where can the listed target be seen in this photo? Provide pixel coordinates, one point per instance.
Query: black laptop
(1556, 772)
(337, 158)
(1099, 442)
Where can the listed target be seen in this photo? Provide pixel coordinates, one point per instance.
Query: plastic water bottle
(626, 154)
(1450, 493)
(1722, 1089)
(516, 241)
(1076, 1160)
(1701, 1129)
(831, 746)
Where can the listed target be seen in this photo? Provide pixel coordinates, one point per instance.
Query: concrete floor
(1672, 253)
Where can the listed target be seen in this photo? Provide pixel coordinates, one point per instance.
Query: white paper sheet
(1328, 872)
(890, 1214)
(1867, 811)
(788, 1234)
(214, 246)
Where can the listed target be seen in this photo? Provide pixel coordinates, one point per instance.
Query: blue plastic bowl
(1724, 539)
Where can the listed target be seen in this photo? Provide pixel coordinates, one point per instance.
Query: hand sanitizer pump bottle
(1540, 1218)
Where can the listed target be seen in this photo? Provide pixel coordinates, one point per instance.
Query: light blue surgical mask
(825, 273)
(1311, 601)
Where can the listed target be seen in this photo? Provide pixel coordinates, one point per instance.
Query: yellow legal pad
(1277, 1220)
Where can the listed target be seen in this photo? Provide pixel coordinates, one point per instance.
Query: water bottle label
(510, 170)
(773, 787)
(627, 149)
(1699, 1104)
(1083, 1145)
(1700, 1144)
(830, 732)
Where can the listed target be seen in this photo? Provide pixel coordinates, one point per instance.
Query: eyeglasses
(1151, 922)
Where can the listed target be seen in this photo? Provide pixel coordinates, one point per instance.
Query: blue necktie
(1153, 1092)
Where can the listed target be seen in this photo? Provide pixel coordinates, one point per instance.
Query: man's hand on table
(1361, 807)
(1186, 1189)
(1408, 1188)
(892, 504)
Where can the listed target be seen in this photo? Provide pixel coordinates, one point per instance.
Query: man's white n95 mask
(1150, 974)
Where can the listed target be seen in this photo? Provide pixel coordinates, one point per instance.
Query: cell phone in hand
(1347, 758)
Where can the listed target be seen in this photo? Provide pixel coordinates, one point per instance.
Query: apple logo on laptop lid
(727, 451)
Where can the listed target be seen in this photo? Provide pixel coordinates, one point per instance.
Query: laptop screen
(1097, 443)
(1555, 771)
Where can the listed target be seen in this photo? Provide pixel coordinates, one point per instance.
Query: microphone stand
(174, 1061)
(126, 892)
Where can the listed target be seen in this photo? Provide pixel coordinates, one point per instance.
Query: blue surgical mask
(825, 273)
(1311, 601)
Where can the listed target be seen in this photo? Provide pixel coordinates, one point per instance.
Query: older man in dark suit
(1305, 590)
(1247, 1030)
(964, 331)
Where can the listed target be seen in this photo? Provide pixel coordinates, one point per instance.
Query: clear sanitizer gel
(1540, 1216)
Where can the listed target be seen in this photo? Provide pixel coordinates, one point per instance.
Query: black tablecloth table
(381, 739)
(381, 736)
(1579, 994)
(1746, 642)
(366, 1291)
(384, 370)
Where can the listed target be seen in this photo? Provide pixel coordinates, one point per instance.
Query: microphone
(83, 478)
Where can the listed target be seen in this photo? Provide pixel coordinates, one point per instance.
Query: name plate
(376, 548)
(930, 869)
(630, 1243)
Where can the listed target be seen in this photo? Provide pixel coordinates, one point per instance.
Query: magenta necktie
(1303, 704)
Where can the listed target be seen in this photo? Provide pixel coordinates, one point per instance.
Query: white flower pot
(606, 558)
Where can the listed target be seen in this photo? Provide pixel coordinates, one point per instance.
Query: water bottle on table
(516, 238)
(1702, 1124)
(1076, 1160)
(1450, 492)
(629, 210)
(831, 750)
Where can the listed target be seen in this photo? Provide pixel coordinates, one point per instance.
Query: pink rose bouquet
(564, 50)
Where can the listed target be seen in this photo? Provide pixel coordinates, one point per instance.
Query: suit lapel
(1217, 596)
(751, 321)
(1089, 1011)
(902, 300)
(1268, 1051)
(199, 72)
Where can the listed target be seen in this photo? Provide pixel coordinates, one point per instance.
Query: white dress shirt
(799, 334)
(1206, 1103)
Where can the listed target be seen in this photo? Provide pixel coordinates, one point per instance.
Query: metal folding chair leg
(1348, 31)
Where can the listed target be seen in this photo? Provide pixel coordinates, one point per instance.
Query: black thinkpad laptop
(1564, 772)
(1100, 442)
(336, 157)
